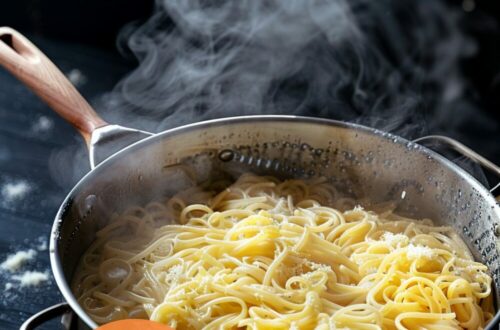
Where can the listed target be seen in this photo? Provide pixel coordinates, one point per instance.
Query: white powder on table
(43, 124)
(31, 278)
(43, 244)
(15, 190)
(16, 260)
(11, 269)
(76, 77)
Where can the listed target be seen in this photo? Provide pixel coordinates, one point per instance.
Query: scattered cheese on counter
(43, 124)
(76, 77)
(30, 278)
(15, 261)
(15, 190)
(42, 246)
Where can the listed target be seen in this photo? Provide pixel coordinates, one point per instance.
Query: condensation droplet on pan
(349, 155)
(88, 204)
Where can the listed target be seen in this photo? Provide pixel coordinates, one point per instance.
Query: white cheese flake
(43, 124)
(174, 273)
(418, 251)
(30, 278)
(76, 77)
(15, 190)
(42, 246)
(17, 260)
(395, 239)
(322, 267)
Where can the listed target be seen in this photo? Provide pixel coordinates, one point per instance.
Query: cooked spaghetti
(265, 254)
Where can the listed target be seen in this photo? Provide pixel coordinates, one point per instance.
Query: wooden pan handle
(26, 62)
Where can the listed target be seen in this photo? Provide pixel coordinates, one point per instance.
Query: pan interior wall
(361, 163)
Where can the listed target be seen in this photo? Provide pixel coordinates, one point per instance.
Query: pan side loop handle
(45, 315)
(26, 62)
(466, 152)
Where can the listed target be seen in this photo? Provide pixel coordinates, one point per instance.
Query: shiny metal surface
(464, 151)
(44, 315)
(363, 162)
(107, 140)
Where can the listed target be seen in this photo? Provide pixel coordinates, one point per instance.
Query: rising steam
(388, 64)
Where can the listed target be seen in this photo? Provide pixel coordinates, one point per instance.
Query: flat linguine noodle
(266, 254)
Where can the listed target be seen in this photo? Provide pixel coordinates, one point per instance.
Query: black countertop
(38, 151)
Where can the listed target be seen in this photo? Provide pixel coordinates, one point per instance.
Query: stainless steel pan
(361, 161)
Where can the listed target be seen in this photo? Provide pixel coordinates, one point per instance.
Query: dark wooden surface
(40, 150)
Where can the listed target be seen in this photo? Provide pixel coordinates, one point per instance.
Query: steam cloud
(386, 64)
(389, 64)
